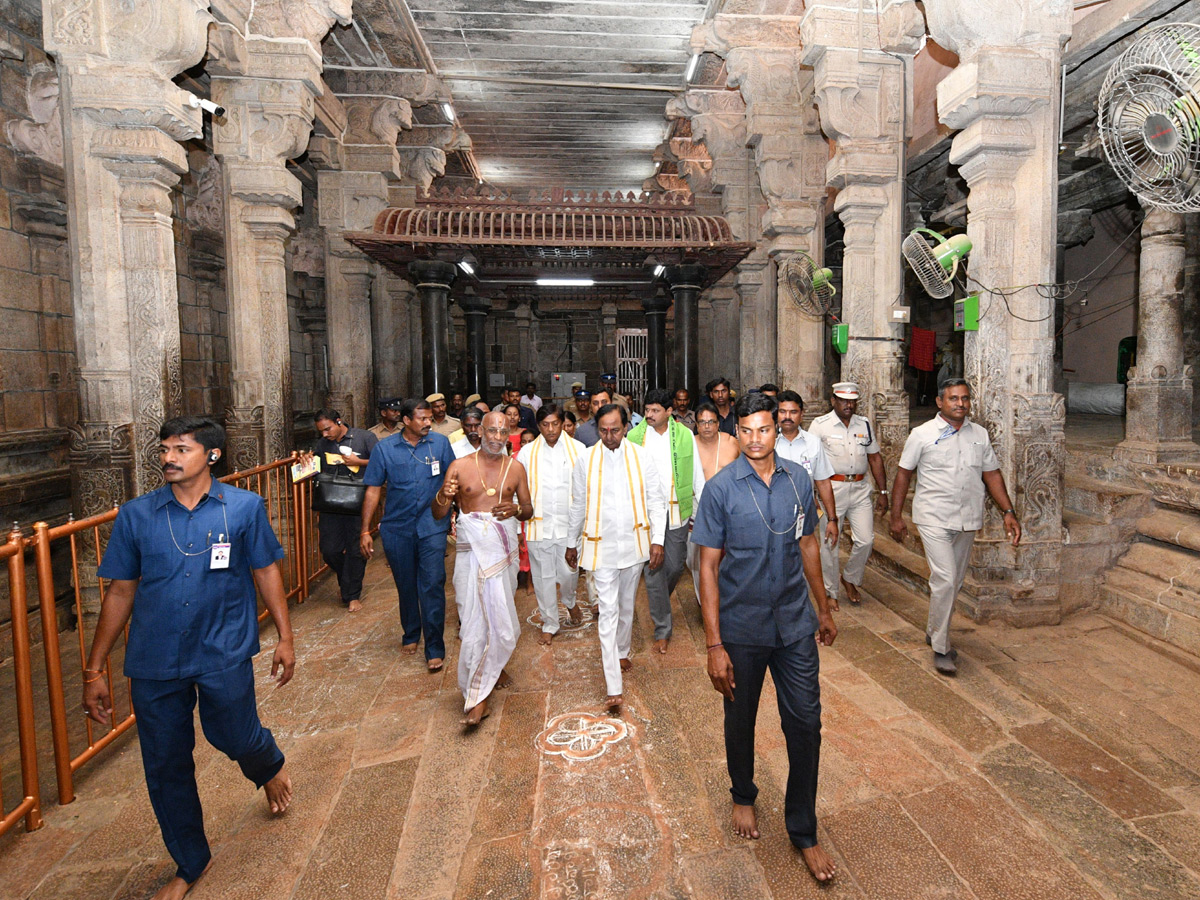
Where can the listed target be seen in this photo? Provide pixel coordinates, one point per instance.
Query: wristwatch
(1005, 512)
(882, 491)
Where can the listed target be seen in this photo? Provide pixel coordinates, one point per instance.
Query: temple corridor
(1064, 762)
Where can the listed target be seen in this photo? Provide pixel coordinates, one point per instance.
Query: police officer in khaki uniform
(852, 448)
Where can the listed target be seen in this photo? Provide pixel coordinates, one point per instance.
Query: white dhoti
(615, 593)
(489, 627)
(552, 577)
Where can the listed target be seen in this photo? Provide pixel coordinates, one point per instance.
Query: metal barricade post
(30, 807)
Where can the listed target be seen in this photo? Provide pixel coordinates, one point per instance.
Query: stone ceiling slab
(586, 137)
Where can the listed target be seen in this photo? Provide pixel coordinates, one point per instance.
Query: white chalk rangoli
(581, 736)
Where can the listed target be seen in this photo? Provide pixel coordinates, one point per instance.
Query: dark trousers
(340, 550)
(794, 670)
(229, 717)
(419, 568)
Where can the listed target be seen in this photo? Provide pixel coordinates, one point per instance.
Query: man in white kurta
(616, 525)
(549, 462)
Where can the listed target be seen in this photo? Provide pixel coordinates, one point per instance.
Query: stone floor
(1063, 762)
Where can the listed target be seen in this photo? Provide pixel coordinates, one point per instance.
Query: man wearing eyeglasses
(954, 462)
(850, 445)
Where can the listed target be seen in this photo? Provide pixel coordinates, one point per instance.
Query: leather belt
(848, 477)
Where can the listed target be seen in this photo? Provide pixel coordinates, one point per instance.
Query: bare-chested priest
(492, 495)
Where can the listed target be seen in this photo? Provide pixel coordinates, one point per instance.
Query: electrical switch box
(966, 313)
(841, 338)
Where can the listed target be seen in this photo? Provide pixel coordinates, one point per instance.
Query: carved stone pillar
(656, 340)
(863, 94)
(1004, 99)
(475, 310)
(685, 284)
(433, 280)
(1158, 399)
(390, 326)
(718, 119)
(268, 82)
(122, 119)
(608, 321)
(762, 55)
(349, 201)
(523, 316)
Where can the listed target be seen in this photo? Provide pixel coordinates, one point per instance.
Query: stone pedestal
(1158, 399)
(475, 310)
(685, 282)
(122, 120)
(1004, 99)
(433, 280)
(863, 86)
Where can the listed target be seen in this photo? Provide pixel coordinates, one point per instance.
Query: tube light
(659, 269)
(449, 111)
(466, 267)
(565, 282)
(691, 68)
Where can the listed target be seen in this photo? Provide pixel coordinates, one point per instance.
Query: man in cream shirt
(618, 516)
(549, 462)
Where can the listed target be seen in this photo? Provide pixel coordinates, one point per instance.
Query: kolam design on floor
(580, 737)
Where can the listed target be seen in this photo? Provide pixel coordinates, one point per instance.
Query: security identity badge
(219, 556)
(435, 467)
(799, 524)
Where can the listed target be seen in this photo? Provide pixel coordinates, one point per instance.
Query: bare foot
(661, 645)
(819, 862)
(576, 614)
(504, 680)
(476, 714)
(354, 606)
(851, 591)
(408, 648)
(745, 821)
(626, 665)
(177, 887)
(435, 664)
(545, 638)
(613, 703)
(279, 792)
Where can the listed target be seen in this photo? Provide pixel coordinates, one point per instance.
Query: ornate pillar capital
(829, 25)
(967, 27)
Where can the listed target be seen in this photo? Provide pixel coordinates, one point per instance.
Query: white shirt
(554, 478)
(534, 402)
(462, 447)
(619, 546)
(658, 447)
(806, 450)
(847, 446)
(949, 466)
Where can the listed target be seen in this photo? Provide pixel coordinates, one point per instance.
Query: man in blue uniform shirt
(759, 510)
(183, 563)
(413, 466)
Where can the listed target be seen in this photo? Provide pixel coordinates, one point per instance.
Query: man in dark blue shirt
(413, 465)
(759, 510)
(184, 562)
(344, 452)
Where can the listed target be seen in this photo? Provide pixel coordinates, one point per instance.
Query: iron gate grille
(631, 363)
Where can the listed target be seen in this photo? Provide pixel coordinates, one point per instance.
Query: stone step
(1087, 529)
(1103, 499)
(1171, 527)
(1175, 628)
(1171, 596)
(1168, 563)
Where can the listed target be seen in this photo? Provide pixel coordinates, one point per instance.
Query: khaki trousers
(852, 500)
(948, 552)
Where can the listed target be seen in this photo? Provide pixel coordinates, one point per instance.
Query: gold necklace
(491, 491)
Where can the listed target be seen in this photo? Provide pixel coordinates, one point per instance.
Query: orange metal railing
(30, 807)
(76, 739)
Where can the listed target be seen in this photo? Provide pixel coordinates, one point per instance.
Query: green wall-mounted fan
(935, 262)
